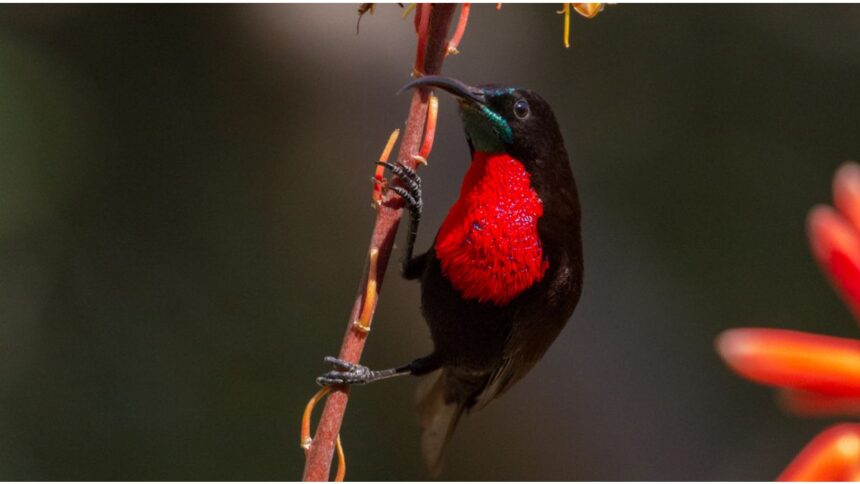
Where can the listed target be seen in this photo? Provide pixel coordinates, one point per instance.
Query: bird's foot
(409, 188)
(346, 373)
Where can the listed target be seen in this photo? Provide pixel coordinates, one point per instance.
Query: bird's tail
(438, 418)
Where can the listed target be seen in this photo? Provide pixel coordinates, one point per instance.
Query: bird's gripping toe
(347, 373)
(410, 190)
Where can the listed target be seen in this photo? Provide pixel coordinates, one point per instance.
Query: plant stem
(319, 456)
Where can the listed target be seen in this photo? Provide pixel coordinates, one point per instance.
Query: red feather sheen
(489, 246)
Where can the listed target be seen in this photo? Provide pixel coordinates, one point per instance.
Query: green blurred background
(184, 214)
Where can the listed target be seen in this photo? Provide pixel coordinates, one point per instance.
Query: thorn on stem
(341, 461)
(305, 438)
(378, 175)
(460, 30)
(429, 130)
(566, 11)
(362, 324)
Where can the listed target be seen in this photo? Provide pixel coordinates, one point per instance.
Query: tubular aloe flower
(816, 375)
(833, 455)
(587, 10)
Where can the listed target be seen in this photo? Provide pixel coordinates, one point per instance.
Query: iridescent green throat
(488, 131)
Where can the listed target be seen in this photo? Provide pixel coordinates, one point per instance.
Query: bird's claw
(346, 373)
(339, 363)
(410, 190)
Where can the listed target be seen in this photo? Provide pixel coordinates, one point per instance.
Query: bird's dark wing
(536, 324)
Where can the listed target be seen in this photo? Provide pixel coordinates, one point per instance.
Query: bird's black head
(502, 119)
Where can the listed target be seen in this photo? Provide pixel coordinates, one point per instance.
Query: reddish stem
(422, 20)
(319, 456)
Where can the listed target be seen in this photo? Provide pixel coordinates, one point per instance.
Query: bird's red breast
(488, 246)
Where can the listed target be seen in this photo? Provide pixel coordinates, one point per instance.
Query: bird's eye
(521, 109)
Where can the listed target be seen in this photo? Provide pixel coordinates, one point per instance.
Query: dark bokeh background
(184, 214)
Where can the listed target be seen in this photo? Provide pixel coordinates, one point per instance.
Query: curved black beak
(453, 86)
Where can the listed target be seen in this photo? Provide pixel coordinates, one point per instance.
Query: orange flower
(817, 375)
(795, 360)
(833, 455)
(587, 10)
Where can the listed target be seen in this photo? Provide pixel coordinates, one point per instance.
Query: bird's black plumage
(481, 348)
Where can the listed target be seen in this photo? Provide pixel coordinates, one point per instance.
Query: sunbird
(504, 273)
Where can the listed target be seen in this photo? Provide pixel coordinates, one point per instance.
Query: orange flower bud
(831, 456)
(822, 364)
